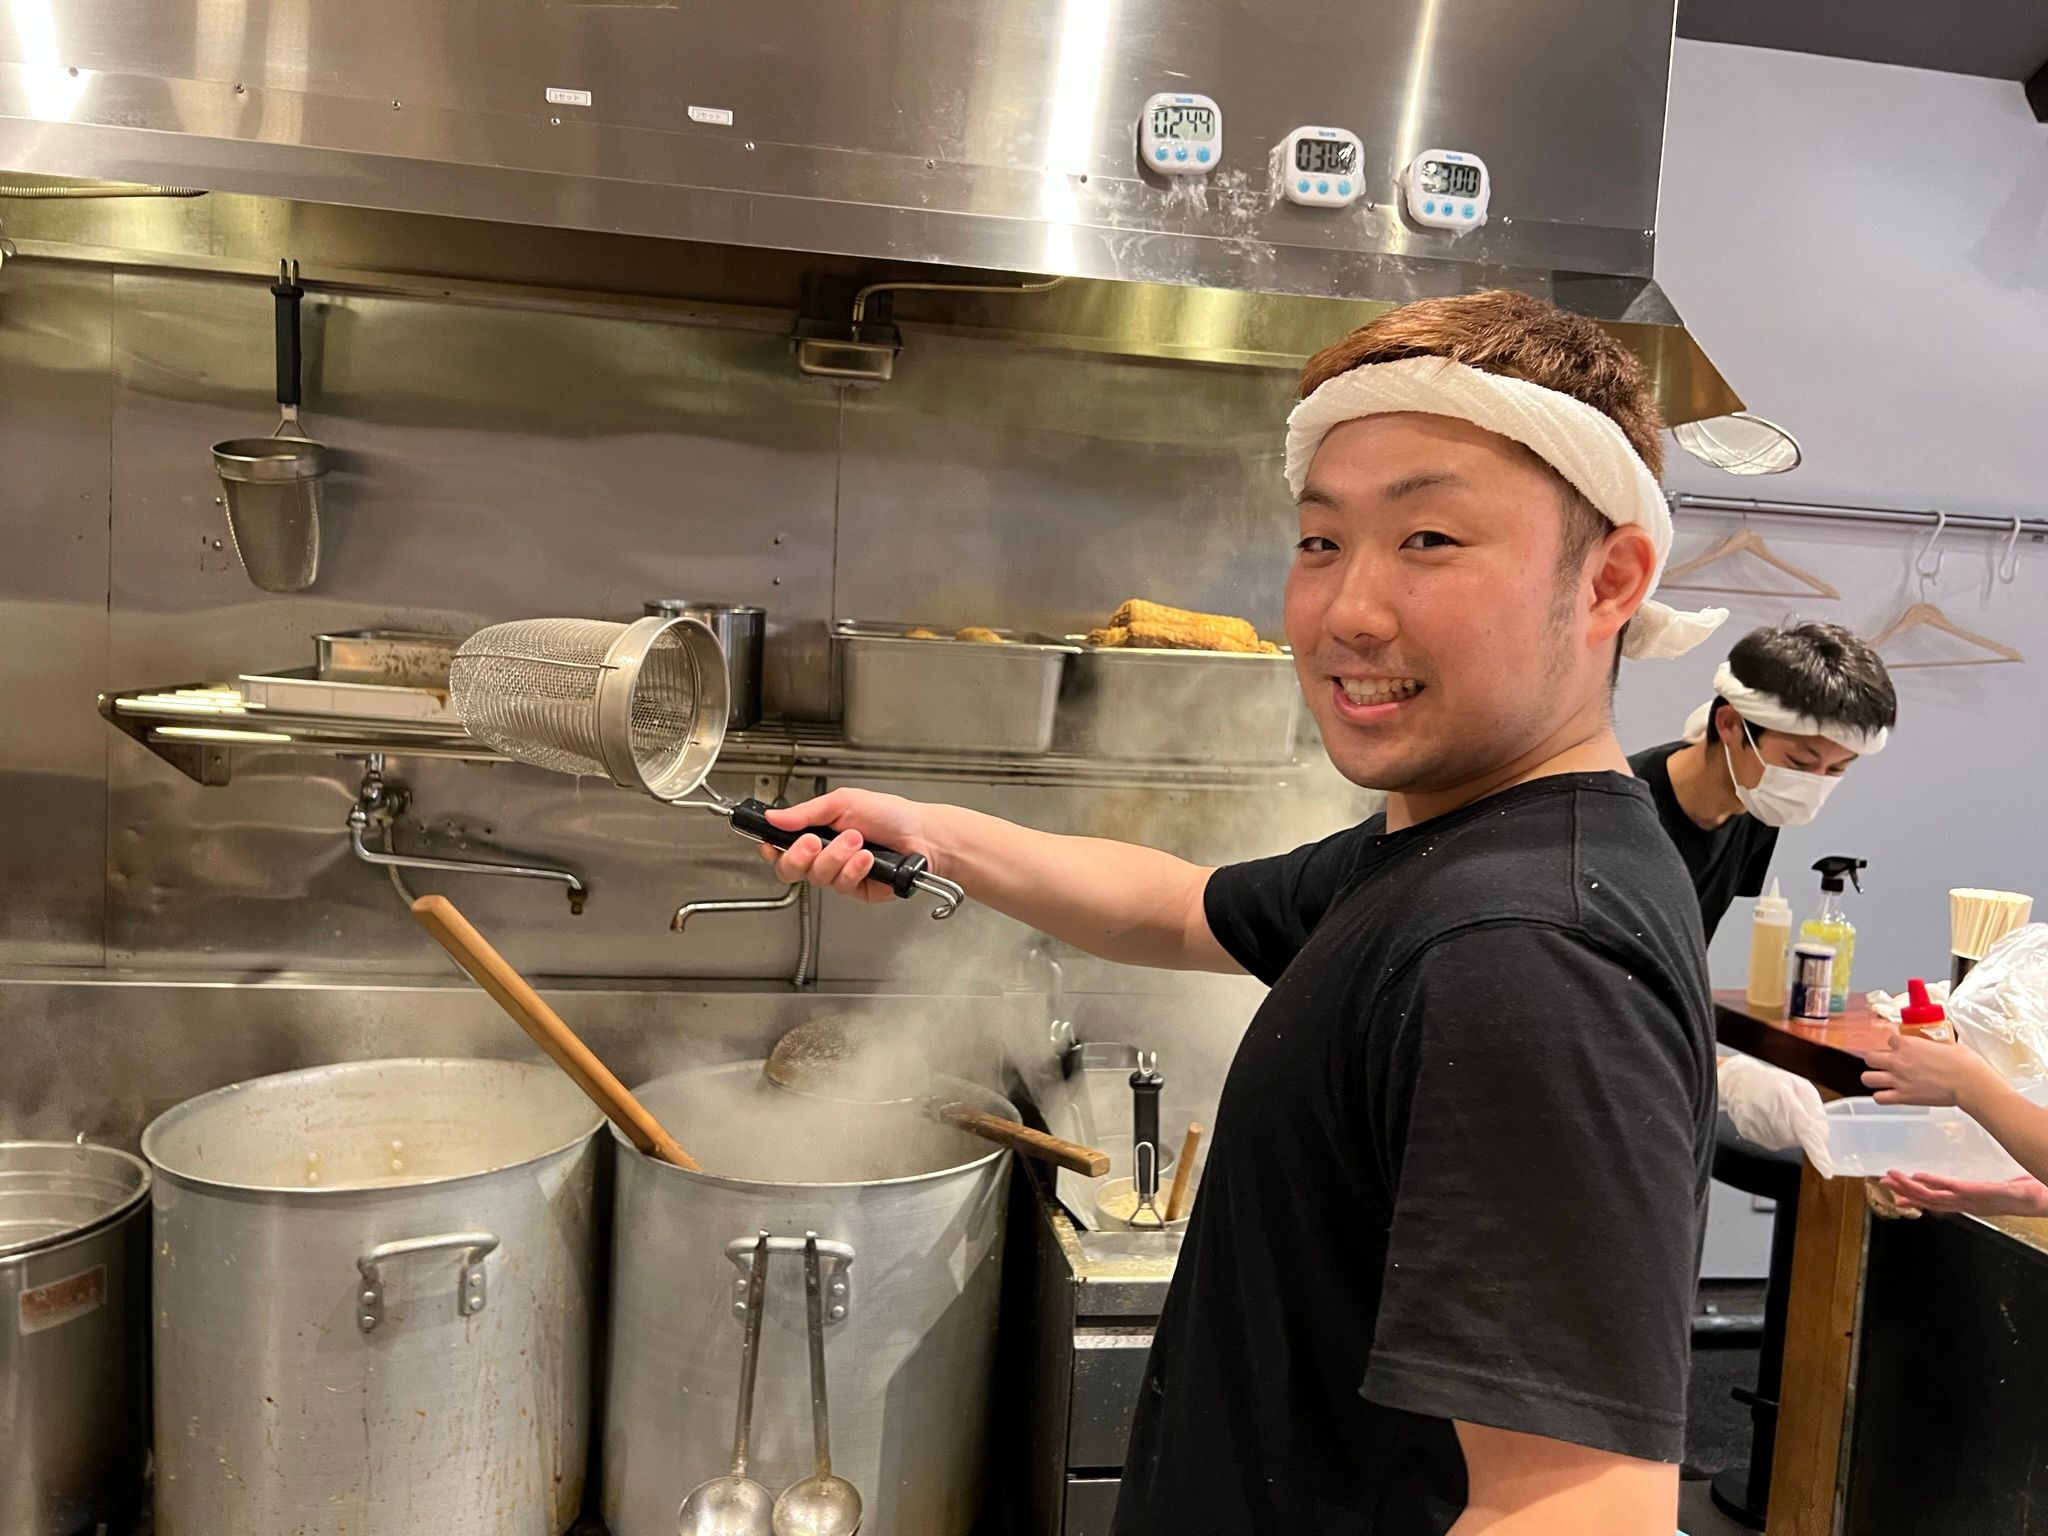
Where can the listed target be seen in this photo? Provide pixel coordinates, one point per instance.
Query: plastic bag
(2001, 1009)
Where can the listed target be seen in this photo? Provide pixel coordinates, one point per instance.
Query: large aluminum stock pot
(375, 1301)
(909, 1214)
(74, 1336)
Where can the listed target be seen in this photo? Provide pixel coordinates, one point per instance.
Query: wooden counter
(1830, 1055)
(1827, 1264)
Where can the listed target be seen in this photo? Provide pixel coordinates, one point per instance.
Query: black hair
(1821, 671)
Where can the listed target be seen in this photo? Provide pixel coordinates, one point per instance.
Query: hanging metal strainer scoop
(642, 704)
(271, 485)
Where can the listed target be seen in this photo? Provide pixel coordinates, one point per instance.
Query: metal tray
(1179, 706)
(949, 695)
(398, 658)
(302, 693)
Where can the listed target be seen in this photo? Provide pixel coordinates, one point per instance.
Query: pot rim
(110, 1217)
(991, 1100)
(157, 1128)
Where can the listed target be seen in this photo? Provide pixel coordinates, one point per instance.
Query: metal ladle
(821, 1504)
(736, 1505)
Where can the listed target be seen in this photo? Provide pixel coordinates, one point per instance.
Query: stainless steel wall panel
(104, 1056)
(1049, 488)
(54, 402)
(494, 462)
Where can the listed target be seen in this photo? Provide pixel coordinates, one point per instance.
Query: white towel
(1768, 712)
(1580, 443)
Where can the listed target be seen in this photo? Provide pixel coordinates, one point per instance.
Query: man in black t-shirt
(1440, 1274)
(1793, 707)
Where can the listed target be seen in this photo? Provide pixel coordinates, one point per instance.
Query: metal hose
(397, 880)
(807, 943)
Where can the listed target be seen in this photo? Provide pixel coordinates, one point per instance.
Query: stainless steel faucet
(379, 803)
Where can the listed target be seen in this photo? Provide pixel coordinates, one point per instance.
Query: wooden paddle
(490, 970)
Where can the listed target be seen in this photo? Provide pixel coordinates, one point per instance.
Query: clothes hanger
(1924, 615)
(1927, 616)
(1745, 542)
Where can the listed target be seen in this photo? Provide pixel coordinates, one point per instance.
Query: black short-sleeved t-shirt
(1460, 1170)
(1725, 862)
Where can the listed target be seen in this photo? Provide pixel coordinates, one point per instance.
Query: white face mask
(1783, 797)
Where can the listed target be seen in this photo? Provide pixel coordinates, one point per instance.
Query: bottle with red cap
(1923, 1016)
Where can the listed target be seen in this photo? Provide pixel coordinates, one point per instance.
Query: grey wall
(1888, 301)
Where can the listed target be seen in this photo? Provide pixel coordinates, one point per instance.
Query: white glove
(1773, 1108)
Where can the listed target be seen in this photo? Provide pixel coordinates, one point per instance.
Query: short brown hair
(1522, 337)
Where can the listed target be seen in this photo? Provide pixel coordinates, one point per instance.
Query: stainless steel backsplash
(500, 461)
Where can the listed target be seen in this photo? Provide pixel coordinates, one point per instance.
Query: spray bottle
(1830, 923)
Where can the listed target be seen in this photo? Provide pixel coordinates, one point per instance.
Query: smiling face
(1437, 638)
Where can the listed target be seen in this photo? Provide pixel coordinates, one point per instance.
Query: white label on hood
(562, 96)
(718, 115)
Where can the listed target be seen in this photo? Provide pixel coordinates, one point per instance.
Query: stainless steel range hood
(992, 138)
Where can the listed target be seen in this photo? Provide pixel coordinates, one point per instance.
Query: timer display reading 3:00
(1448, 180)
(1183, 123)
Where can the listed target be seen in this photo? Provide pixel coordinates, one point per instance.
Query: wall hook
(1934, 538)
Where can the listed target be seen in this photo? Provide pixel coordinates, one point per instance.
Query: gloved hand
(1773, 1108)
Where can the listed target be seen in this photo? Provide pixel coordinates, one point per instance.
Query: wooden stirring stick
(1177, 1201)
(490, 970)
(1086, 1161)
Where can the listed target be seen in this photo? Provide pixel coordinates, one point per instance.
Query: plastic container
(1770, 947)
(1867, 1140)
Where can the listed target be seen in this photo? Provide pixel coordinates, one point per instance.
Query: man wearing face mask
(1794, 706)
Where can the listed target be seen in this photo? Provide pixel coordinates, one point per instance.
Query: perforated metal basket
(641, 704)
(272, 489)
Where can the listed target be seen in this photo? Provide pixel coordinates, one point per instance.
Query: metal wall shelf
(198, 728)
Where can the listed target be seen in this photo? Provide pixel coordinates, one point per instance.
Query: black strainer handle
(288, 293)
(898, 871)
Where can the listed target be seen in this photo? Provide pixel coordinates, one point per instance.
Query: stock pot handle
(469, 1294)
(837, 1259)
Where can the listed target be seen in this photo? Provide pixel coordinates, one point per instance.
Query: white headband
(1580, 443)
(1767, 712)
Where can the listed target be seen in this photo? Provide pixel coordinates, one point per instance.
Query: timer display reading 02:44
(1324, 157)
(1448, 180)
(1183, 123)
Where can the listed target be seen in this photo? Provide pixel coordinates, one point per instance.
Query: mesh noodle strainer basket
(644, 705)
(271, 485)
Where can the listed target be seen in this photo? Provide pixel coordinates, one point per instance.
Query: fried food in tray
(1142, 625)
(973, 634)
